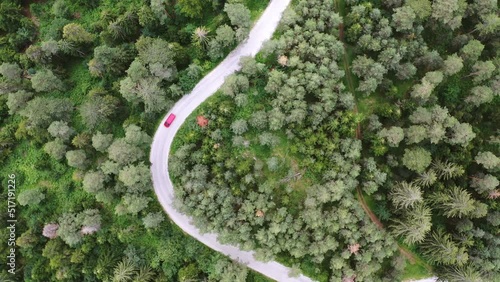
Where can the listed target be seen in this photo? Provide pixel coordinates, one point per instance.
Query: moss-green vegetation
(425, 94)
(415, 271)
(77, 141)
(397, 99)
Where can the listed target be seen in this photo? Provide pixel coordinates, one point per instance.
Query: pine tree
(463, 273)
(414, 225)
(426, 178)
(447, 170)
(405, 195)
(440, 249)
(454, 202)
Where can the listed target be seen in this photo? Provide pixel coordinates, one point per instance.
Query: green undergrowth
(290, 161)
(167, 249)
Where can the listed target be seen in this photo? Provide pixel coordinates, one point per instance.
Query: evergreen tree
(124, 271)
(426, 178)
(405, 195)
(414, 225)
(440, 249)
(464, 273)
(454, 202)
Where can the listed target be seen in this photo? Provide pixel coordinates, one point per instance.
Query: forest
(83, 86)
(361, 144)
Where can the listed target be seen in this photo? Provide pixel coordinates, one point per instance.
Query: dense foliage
(388, 105)
(277, 166)
(82, 87)
(441, 196)
(395, 101)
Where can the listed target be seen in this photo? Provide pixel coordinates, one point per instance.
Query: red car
(169, 120)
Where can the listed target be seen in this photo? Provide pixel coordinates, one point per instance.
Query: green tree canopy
(77, 159)
(93, 181)
(41, 111)
(488, 160)
(441, 249)
(124, 153)
(17, 101)
(417, 159)
(192, 8)
(403, 18)
(97, 110)
(101, 141)
(454, 202)
(405, 195)
(46, 81)
(55, 149)
(452, 65)
(108, 61)
(153, 220)
(422, 8)
(238, 14)
(61, 130)
(137, 178)
(11, 71)
(394, 135)
(75, 33)
(30, 197)
(414, 225)
(480, 95)
(472, 50)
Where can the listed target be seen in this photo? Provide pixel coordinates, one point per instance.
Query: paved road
(262, 31)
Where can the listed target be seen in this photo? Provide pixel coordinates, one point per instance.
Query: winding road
(261, 31)
(162, 141)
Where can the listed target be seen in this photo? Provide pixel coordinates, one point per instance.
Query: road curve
(162, 141)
